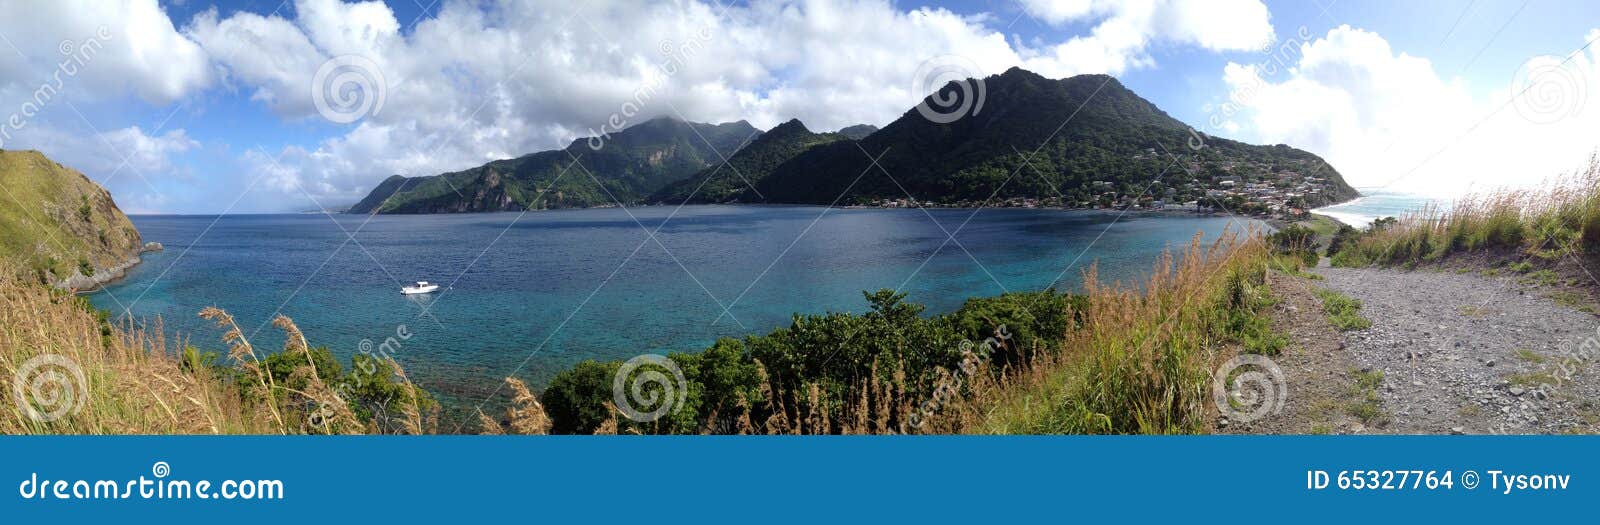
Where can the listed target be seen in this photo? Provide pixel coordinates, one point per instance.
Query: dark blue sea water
(539, 293)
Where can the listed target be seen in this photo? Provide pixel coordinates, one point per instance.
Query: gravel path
(1465, 353)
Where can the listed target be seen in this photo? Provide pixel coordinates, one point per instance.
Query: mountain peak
(792, 126)
(858, 131)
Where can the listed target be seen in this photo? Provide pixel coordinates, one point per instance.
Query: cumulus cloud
(1127, 28)
(138, 49)
(1388, 119)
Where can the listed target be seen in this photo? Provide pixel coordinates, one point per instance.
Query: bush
(1293, 238)
(576, 399)
(839, 356)
(1345, 236)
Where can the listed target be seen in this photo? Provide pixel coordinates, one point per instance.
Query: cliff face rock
(59, 227)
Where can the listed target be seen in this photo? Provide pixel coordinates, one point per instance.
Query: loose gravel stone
(1450, 346)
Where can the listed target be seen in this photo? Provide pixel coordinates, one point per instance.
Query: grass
(1141, 360)
(1529, 356)
(1541, 278)
(1474, 311)
(1532, 379)
(130, 384)
(1571, 299)
(1343, 311)
(98, 377)
(1368, 407)
(1532, 227)
(1290, 265)
(68, 226)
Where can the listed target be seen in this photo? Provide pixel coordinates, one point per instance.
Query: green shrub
(835, 352)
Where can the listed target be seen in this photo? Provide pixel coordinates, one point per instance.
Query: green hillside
(630, 165)
(56, 223)
(1112, 142)
(725, 182)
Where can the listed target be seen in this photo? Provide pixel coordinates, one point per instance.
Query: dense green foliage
(836, 352)
(1296, 241)
(858, 131)
(1111, 135)
(371, 387)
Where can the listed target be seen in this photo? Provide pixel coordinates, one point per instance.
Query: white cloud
(1384, 118)
(1127, 28)
(139, 49)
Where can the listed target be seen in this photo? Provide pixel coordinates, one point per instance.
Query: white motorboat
(420, 288)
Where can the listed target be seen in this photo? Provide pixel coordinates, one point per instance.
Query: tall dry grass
(79, 374)
(1141, 359)
(1546, 223)
(131, 384)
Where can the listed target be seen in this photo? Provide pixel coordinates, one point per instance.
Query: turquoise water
(540, 293)
(1375, 204)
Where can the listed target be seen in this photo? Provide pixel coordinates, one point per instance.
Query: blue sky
(190, 107)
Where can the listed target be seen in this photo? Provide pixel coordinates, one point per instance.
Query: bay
(533, 294)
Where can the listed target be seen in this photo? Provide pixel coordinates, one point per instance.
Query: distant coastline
(1375, 204)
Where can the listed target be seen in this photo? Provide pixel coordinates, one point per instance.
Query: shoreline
(82, 284)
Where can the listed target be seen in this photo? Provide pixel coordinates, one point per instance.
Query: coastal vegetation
(1119, 358)
(1525, 229)
(80, 373)
(1343, 311)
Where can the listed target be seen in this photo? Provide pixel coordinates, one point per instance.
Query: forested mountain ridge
(629, 165)
(1086, 140)
(727, 182)
(1083, 141)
